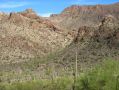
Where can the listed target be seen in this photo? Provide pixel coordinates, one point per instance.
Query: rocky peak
(29, 13)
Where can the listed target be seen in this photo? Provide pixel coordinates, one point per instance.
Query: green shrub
(103, 77)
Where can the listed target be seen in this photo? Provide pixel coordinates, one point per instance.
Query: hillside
(25, 35)
(34, 47)
(92, 44)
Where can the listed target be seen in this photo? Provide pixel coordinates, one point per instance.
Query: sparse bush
(104, 77)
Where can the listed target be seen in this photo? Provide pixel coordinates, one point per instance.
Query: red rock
(29, 13)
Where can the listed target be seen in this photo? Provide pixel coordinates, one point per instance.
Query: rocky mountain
(32, 45)
(76, 16)
(26, 35)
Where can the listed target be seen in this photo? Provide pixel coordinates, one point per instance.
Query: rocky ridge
(76, 16)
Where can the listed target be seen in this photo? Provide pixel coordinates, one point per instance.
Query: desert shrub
(64, 83)
(2, 87)
(103, 77)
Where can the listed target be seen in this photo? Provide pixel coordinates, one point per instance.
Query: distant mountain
(76, 16)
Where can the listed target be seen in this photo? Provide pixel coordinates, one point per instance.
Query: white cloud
(13, 4)
(45, 14)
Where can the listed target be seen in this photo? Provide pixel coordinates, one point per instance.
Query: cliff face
(76, 16)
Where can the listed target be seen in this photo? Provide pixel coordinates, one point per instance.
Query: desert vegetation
(102, 77)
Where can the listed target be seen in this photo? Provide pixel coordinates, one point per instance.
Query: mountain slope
(25, 35)
(93, 45)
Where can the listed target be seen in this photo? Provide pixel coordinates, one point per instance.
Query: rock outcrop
(29, 13)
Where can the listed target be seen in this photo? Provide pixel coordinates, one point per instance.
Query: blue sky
(46, 7)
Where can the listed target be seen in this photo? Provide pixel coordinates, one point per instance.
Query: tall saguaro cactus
(75, 74)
